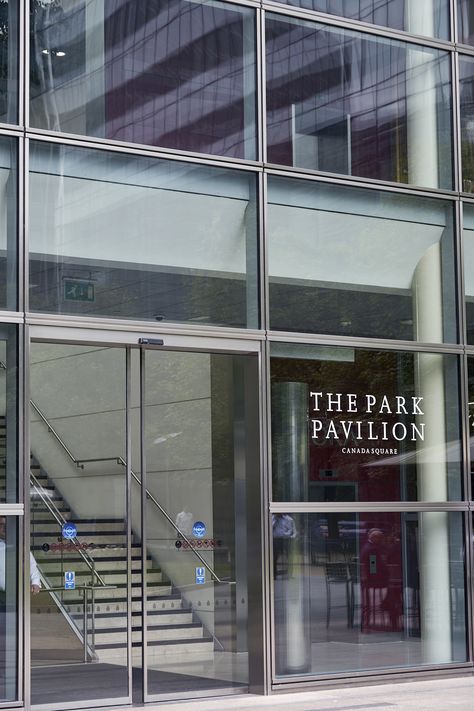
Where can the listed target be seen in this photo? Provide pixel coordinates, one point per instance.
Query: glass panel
(466, 90)
(8, 608)
(468, 235)
(470, 372)
(360, 591)
(9, 61)
(141, 238)
(358, 425)
(420, 17)
(175, 74)
(8, 224)
(199, 434)
(465, 10)
(78, 524)
(350, 103)
(356, 262)
(8, 414)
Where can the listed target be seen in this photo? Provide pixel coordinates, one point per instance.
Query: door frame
(141, 341)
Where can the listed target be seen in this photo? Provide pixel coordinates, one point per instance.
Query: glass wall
(465, 17)
(9, 28)
(345, 102)
(420, 17)
(8, 414)
(139, 238)
(8, 225)
(364, 425)
(359, 263)
(366, 590)
(9, 591)
(179, 75)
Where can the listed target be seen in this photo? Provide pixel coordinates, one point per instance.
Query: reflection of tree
(4, 41)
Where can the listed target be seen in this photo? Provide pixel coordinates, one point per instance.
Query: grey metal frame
(116, 332)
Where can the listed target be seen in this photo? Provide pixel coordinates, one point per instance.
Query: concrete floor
(449, 694)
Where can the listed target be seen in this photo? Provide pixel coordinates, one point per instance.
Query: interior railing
(80, 463)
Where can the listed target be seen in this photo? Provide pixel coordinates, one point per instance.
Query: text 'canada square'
(362, 429)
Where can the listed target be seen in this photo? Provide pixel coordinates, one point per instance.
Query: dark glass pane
(465, 10)
(420, 17)
(140, 238)
(350, 103)
(175, 74)
(466, 90)
(470, 366)
(358, 262)
(8, 608)
(360, 591)
(9, 61)
(8, 414)
(358, 425)
(468, 253)
(8, 233)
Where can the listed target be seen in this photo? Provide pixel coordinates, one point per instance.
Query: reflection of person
(35, 581)
(184, 521)
(374, 579)
(284, 530)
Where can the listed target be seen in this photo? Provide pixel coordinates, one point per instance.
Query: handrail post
(85, 623)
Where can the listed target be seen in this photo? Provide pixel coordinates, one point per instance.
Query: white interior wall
(100, 220)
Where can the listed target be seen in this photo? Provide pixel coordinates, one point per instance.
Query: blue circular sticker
(199, 529)
(69, 530)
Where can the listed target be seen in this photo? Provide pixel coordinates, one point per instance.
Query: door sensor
(151, 341)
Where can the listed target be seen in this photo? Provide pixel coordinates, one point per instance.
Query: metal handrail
(80, 464)
(56, 514)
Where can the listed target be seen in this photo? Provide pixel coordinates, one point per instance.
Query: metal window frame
(76, 327)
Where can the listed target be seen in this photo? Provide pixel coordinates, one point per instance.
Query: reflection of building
(236, 255)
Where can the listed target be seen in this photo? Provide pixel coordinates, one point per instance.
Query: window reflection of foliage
(44, 14)
(4, 36)
(467, 128)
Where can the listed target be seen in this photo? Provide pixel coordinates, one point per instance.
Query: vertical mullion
(128, 514)
(25, 607)
(144, 650)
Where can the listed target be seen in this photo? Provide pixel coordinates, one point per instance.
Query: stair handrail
(80, 464)
(54, 511)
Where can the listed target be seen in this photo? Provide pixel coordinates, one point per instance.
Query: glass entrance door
(139, 472)
(195, 431)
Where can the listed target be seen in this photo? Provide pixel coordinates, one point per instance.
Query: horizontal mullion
(369, 506)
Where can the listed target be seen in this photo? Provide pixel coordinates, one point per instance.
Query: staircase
(172, 629)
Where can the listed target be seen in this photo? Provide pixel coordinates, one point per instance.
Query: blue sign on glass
(200, 576)
(69, 530)
(199, 529)
(69, 580)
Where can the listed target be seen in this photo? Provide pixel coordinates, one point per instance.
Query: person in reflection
(284, 530)
(374, 580)
(184, 521)
(35, 581)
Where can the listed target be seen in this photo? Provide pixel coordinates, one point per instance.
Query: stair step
(157, 604)
(116, 621)
(154, 634)
(103, 566)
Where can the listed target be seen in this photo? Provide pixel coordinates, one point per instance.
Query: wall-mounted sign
(78, 290)
(69, 530)
(200, 576)
(69, 580)
(199, 529)
(349, 418)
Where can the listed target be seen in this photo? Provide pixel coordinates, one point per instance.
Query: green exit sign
(75, 290)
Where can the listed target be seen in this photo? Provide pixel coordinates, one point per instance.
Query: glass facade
(236, 346)
(106, 239)
(179, 75)
(350, 103)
